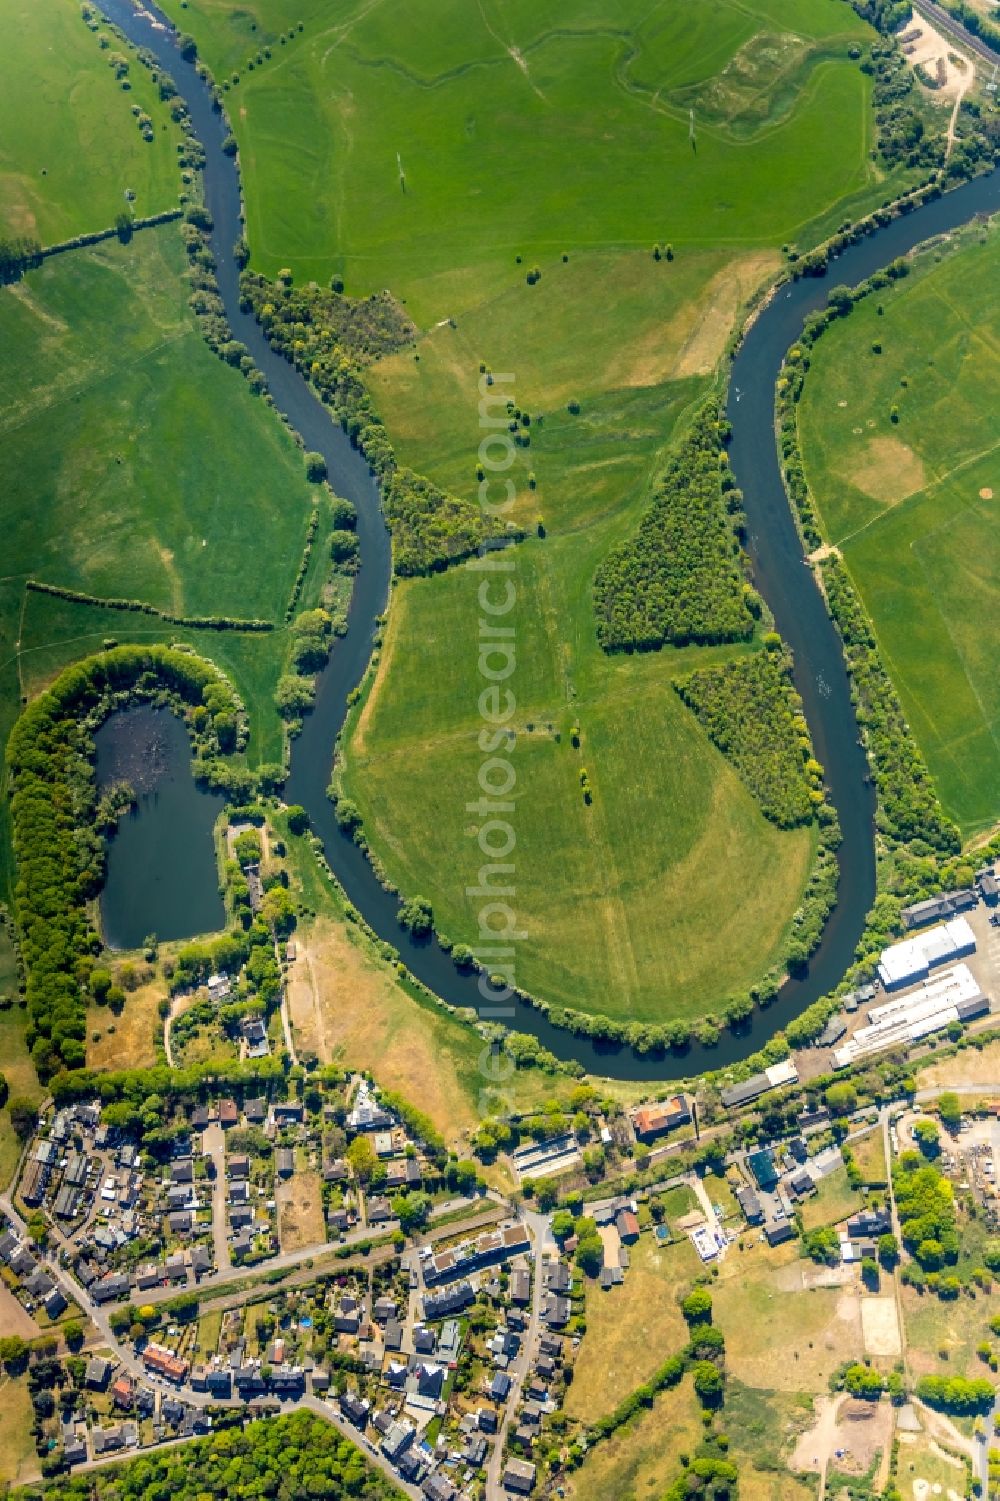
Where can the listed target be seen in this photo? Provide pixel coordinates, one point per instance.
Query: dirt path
(815, 1447)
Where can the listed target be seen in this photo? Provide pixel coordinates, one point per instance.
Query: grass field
(615, 898)
(70, 145)
(869, 1153)
(18, 1070)
(834, 1200)
(636, 1464)
(158, 474)
(633, 1328)
(349, 1007)
(765, 1300)
(128, 1040)
(18, 1460)
(523, 134)
(913, 505)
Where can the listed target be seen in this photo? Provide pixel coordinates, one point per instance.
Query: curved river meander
(779, 572)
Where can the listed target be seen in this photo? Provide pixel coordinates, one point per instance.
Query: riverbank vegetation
(58, 850)
(897, 421)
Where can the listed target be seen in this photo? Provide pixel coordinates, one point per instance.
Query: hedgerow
(750, 710)
(908, 806)
(680, 578)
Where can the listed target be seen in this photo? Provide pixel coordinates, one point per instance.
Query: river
(779, 573)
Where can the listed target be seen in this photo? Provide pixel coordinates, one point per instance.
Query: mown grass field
(138, 466)
(69, 142)
(636, 1462)
(522, 133)
(349, 1006)
(633, 1328)
(617, 899)
(914, 505)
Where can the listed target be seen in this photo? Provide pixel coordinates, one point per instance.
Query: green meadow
(618, 898)
(70, 145)
(446, 161)
(519, 133)
(914, 504)
(138, 466)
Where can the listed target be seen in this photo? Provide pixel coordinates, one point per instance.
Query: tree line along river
(775, 550)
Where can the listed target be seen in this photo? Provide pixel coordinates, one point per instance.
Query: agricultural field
(160, 476)
(360, 136)
(765, 1299)
(19, 1072)
(412, 1044)
(616, 895)
(900, 450)
(633, 1328)
(70, 141)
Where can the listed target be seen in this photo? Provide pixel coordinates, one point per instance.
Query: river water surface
(779, 572)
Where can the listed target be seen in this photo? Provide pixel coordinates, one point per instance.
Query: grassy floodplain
(913, 504)
(139, 466)
(524, 141)
(70, 145)
(523, 129)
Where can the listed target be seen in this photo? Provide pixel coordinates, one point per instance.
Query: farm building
(913, 959)
(774, 1077)
(949, 997)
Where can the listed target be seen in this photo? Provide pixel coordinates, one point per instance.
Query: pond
(162, 875)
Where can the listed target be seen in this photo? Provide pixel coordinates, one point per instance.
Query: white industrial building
(950, 996)
(912, 960)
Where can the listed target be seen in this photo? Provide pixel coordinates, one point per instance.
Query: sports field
(914, 504)
(70, 143)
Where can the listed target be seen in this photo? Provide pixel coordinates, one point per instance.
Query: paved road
(213, 1142)
(538, 1229)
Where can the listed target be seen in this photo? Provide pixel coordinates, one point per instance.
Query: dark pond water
(162, 876)
(787, 585)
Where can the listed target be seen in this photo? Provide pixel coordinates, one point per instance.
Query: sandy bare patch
(13, 1319)
(934, 53)
(860, 1429)
(986, 493)
(888, 471)
(300, 1211)
(693, 341)
(880, 1326)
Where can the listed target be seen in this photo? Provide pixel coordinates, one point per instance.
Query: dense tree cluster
(908, 803)
(750, 710)
(431, 528)
(282, 1458)
(323, 324)
(18, 253)
(680, 578)
(956, 1393)
(59, 853)
(926, 1208)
